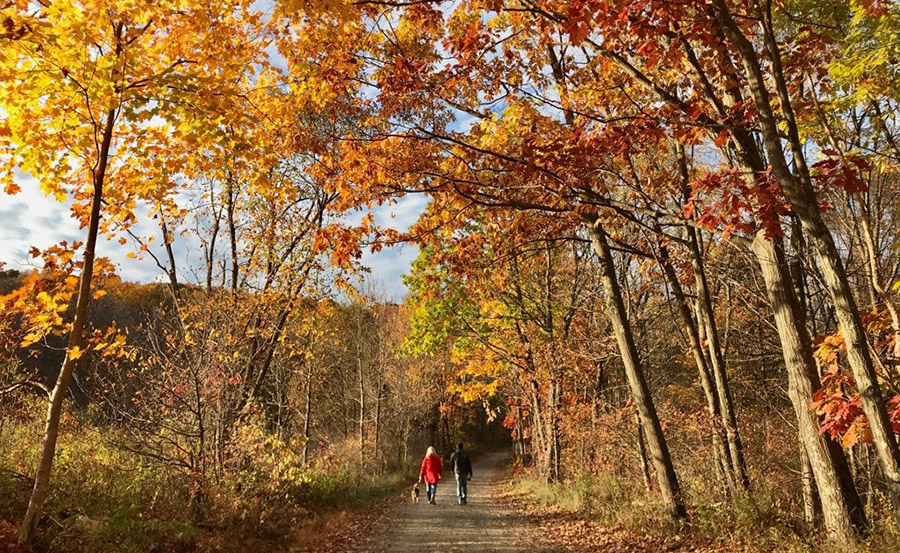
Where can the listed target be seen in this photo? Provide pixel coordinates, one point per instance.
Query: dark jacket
(460, 463)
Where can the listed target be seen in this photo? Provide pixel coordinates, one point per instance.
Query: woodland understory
(658, 260)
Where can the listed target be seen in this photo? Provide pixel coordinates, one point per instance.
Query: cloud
(13, 234)
(387, 270)
(33, 219)
(389, 265)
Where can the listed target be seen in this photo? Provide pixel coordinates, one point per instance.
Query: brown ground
(494, 521)
(489, 523)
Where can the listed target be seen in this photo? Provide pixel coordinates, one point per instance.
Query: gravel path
(487, 524)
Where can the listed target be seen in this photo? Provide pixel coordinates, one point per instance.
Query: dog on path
(414, 494)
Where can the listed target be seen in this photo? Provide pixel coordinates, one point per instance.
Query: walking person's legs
(432, 491)
(461, 488)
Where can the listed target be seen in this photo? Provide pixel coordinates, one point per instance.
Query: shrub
(108, 498)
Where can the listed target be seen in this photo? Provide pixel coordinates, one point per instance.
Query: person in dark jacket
(461, 466)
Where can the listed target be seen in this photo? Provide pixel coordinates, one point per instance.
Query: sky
(32, 219)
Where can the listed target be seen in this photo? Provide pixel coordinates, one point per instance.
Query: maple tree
(651, 226)
(587, 63)
(86, 105)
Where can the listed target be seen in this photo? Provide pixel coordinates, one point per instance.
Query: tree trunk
(556, 457)
(841, 506)
(219, 445)
(642, 455)
(232, 233)
(551, 423)
(812, 505)
(307, 413)
(520, 434)
(799, 194)
(406, 433)
(539, 441)
(361, 427)
(447, 443)
(375, 437)
(885, 295)
(170, 255)
(640, 391)
(717, 358)
(867, 236)
(76, 339)
(720, 440)
(210, 249)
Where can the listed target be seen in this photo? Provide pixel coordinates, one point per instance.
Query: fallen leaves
(563, 531)
(346, 532)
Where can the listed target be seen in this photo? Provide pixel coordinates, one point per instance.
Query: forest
(656, 291)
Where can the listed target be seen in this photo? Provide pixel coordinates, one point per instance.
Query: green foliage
(125, 528)
(437, 305)
(867, 65)
(104, 495)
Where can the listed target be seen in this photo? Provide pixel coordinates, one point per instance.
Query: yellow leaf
(75, 353)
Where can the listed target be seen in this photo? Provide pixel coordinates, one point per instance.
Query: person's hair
(459, 445)
(430, 451)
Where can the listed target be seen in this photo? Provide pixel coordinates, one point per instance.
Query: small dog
(414, 494)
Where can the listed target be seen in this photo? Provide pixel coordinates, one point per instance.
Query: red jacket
(431, 469)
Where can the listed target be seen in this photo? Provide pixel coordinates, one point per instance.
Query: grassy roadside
(594, 513)
(345, 529)
(107, 499)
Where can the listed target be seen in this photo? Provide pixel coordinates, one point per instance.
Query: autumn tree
(567, 76)
(86, 105)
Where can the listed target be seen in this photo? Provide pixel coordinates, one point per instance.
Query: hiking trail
(489, 523)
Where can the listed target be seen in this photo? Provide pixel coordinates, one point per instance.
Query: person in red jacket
(431, 470)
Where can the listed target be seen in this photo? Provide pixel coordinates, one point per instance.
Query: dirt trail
(488, 524)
